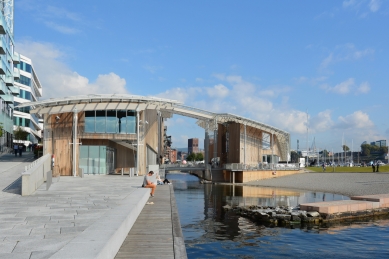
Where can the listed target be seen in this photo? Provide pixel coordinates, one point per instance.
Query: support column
(215, 142)
(159, 138)
(272, 151)
(75, 118)
(206, 150)
(137, 143)
(206, 146)
(244, 150)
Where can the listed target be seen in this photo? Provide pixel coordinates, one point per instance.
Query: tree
(20, 134)
(1, 129)
(199, 157)
(191, 157)
(294, 157)
(345, 148)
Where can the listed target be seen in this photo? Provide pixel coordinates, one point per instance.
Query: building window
(24, 80)
(110, 121)
(100, 121)
(90, 121)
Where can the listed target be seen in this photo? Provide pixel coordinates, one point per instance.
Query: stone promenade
(86, 217)
(348, 184)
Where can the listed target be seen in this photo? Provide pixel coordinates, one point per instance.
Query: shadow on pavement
(15, 187)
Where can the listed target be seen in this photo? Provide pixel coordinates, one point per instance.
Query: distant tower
(193, 145)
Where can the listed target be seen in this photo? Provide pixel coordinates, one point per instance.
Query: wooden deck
(157, 231)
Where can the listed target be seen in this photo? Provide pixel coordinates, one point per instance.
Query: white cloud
(358, 119)
(341, 88)
(364, 88)
(58, 80)
(218, 91)
(349, 3)
(347, 87)
(345, 52)
(321, 122)
(61, 28)
(181, 94)
(374, 5)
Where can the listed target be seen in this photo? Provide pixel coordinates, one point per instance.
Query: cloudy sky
(277, 62)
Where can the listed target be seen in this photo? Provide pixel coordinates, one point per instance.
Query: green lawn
(368, 169)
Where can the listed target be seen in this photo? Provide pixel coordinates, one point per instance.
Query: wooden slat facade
(58, 136)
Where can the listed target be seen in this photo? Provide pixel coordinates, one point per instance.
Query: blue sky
(271, 61)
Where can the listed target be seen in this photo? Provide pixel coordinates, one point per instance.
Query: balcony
(2, 47)
(16, 73)
(15, 91)
(3, 68)
(9, 80)
(7, 98)
(3, 25)
(3, 87)
(16, 58)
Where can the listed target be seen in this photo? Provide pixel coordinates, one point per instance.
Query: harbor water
(211, 232)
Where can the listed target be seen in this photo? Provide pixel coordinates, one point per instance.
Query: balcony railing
(16, 73)
(15, 91)
(16, 58)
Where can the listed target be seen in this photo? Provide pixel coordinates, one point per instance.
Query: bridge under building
(111, 133)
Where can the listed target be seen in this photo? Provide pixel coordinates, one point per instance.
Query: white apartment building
(30, 91)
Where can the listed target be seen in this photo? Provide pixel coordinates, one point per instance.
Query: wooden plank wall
(62, 135)
(254, 150)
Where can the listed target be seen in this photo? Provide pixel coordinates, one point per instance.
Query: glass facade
(23, 122)
(97, 159)
(24, 66)
(110, 121)
(24, 80)
(25, 95)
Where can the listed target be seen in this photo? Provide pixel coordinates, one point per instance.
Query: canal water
(210, 232)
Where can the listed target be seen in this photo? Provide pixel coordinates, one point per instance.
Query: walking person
(373, 166)
(20, 149)
(16, 148)
(324, 167)
(378, 167)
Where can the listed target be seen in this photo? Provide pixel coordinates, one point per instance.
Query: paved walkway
(76, 218)
(349, 184)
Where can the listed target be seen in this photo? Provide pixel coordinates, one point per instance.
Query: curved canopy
(206, 119)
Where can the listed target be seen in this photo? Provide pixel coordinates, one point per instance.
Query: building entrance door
(97, 159)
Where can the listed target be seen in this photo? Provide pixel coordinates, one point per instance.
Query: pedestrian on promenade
(20, 149)
(147, 183)
(16, 148)
(324, 167)
(373, 166)
(378, 167)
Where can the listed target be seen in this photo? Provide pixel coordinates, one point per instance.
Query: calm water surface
(210, 232)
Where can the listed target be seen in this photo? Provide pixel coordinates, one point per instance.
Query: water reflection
(210, 232)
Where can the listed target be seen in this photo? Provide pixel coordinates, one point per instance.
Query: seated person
(147, 183)
(159, 181)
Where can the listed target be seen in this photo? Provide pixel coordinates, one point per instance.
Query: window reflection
(90, 121)
(131, 122)
(100, 121)
(122, 122)
(110, 121)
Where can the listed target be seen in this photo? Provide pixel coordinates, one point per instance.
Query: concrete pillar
(159, 138)
(206, 146)
(215, 142)
(244, 149)
(137, 143)
(75, 118)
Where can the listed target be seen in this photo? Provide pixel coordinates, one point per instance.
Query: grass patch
(341, 169)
